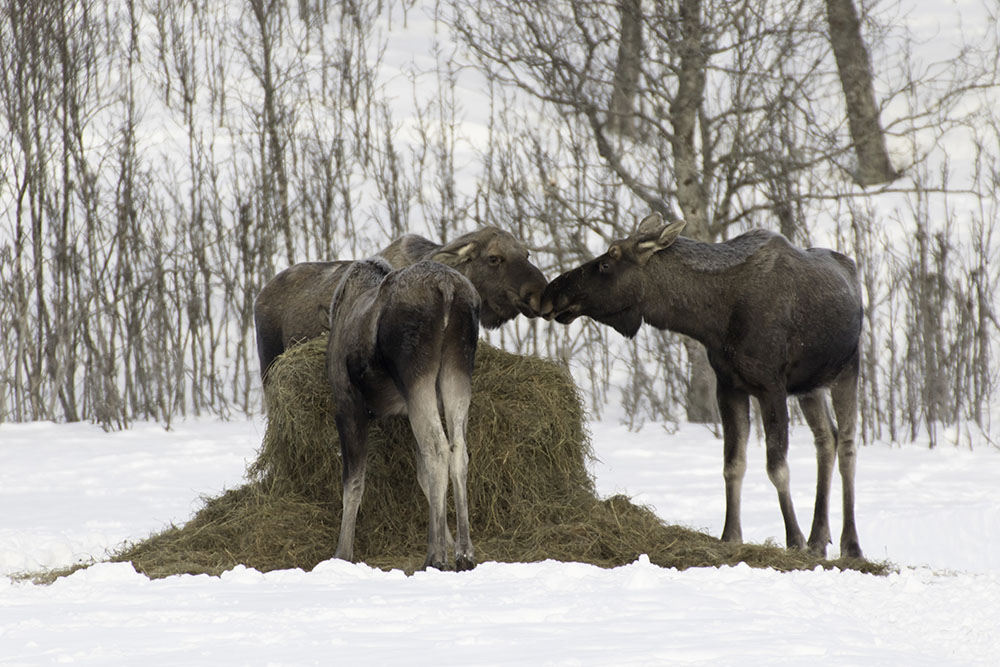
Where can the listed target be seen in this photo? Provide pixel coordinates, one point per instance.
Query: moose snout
(551, 303)
(545, 309)
(530, 299)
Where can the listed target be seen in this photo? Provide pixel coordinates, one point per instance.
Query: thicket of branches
(162, 160)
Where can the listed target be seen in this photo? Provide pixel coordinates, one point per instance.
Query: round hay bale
(528, 450)
(531, 496)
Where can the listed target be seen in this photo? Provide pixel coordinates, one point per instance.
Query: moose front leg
(734, 410)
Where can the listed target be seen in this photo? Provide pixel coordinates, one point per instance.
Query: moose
(293, 306)
(776, 320)
(402, 342)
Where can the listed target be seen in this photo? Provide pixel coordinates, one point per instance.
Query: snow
(70, 493)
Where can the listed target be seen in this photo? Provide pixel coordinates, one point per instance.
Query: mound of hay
(531, 497)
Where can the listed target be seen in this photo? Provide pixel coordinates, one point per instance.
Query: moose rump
(403, 342)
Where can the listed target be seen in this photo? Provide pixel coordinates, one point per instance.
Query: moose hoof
(817, 550)
(464, 563)
(851, 551)
(795, 542)
(732, 534)
(435, 563)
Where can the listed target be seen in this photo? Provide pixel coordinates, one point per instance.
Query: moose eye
(604, 266)
(494, 260)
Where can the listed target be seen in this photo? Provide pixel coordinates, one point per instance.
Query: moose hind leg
(456, 392)
(425, 420)
(845, 405)
(353, 432)
(774, 410)
(425, 488)
(817, 413)
(734, 410)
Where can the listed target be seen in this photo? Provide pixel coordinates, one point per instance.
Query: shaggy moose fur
(403, 342)
(776, 321)
(294, 305)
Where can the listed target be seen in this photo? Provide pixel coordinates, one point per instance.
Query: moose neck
(686, 289)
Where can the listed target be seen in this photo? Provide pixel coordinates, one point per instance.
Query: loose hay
(531, 497)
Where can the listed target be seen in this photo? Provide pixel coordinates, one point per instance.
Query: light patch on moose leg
(422, 481)
(817, 413)
(425, 420)
(456, 394)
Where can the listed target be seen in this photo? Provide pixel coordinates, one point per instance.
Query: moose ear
(670, 233)
(457, 252)
(649, 224)
(659, 239)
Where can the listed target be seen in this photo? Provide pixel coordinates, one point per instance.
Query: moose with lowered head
(293, 306)
(403, 342)
(776, 320)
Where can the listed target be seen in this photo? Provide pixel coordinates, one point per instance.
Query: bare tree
(627, 68)
(738, 114)
(855, 71)
(710, 155)
(162, 160)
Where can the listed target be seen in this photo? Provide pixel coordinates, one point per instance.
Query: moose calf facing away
(776, 321)
(401, 343)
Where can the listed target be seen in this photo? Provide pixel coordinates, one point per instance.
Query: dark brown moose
(775, 319)
(293, 306)
(401, 342)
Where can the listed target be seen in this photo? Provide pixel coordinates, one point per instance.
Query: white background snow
(71, 492)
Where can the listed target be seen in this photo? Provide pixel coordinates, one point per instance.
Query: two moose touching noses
(776, 320)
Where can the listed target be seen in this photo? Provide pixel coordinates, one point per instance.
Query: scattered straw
(531, 496)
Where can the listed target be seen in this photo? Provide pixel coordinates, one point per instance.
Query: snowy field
(71, 492)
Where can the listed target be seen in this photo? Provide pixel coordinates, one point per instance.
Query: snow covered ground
(70, 492)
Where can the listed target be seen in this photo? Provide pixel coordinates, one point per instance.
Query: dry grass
(531, 497)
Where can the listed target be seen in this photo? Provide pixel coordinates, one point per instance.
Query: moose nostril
(535, 302)
(531, 298)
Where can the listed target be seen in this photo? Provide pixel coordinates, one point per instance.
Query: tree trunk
(621, 118)
(700, 406)
(691, 196)
(684, 118)
(855, 72)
